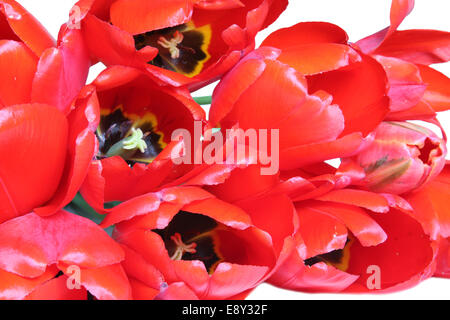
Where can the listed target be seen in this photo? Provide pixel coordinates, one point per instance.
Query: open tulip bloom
(125, 188)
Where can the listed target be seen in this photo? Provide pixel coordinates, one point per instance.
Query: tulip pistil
(192, 237)
(181, 247)
(172, 44)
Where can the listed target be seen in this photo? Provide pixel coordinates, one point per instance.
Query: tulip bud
(402, 157)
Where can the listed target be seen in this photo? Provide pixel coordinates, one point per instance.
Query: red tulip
(46, 139)
(185, 243)
(329, 258)
(321, 83)
(416, 90)
(356, 241)
(132, 106)
(402, 158)
(59, 257)
(181, 42)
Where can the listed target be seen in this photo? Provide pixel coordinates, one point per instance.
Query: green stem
(116, 149)
(80, 207)
(80, 202)
(203, 100)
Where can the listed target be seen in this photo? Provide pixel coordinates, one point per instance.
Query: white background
(359, 18)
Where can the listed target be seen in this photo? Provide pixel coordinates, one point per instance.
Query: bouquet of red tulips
(124, 188)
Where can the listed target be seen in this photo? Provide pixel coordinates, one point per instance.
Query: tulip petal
(405, 81)
(317, 58)
(306, 33)
(141, 291)
(92, 189)
(194, 274)
(320, 232)
(33, 151)
(235, 29)
(29, 243)
(233, 189)
(83, 120)
(403, 259)
(443, 259)
(316, 152)
(102, 183)
(135, 207)
(417, 46)
(139, 16)
(229, 279)
(399, 10)
(115, 46)
(56, 289)
(259, 111)
(62, 71)
(358, 91)
(320, 277)
(430, 205)
(16, 78)
(221, 211)
(151, 248)
(360, 223)
(162, 205)
(219, 4)
(26, 27)
(211, 73)
(360, 198)
(138, 268)
(223, 99)
(6, 33)
(177, 291)
(15, 287)
(325, 122)
(421, 111)
(437, 94)
(105, 283)
(276, 9)
(261, 211)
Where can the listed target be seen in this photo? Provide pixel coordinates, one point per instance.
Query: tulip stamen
(172, 44)
(182, 248)
(133, 142)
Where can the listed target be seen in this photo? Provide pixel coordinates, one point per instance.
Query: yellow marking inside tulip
(206, 32)
(142, 126)
(345, 259)
(339, 259)
(182, 49)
